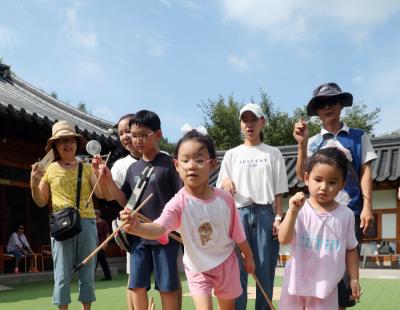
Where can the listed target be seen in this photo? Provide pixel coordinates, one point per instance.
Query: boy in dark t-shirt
(149, 256)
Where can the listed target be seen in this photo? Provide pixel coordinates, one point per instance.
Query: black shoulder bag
(66, 223)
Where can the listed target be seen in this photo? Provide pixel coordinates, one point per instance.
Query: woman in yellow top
(59, 183)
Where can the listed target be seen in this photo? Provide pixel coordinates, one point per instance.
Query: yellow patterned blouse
(62, 183)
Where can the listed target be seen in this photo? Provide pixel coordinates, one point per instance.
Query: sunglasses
(328, 102)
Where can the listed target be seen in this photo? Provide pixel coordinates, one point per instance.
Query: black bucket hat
(328, 90)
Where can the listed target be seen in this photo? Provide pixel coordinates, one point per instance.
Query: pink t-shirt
(319, 249)
(209, 228)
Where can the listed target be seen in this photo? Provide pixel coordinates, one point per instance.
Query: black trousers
(102, 259)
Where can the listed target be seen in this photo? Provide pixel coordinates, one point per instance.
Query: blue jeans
(71, 252)
(257, 223)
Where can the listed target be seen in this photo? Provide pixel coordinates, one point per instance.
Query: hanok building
(26, 117)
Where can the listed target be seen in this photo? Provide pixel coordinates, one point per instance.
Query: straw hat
(64, 129)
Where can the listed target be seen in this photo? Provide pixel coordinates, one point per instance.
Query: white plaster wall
(384, 199)
(388, 226)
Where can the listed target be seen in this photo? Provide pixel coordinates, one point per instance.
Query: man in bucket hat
(327, 103)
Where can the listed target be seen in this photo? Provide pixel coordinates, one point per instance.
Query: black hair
(145, 118)
(204, 140)
(330, 156)
(129, 116)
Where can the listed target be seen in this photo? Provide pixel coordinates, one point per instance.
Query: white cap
(254, 108)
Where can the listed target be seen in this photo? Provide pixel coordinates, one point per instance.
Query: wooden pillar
(397, 220)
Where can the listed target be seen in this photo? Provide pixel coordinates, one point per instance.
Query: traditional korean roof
(385, 169)
(23, 100)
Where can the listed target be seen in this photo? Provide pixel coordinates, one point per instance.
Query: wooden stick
(85, 159)
(145, 219)
(116, 231)
(263, 291)
(268, 300)
(97, 182)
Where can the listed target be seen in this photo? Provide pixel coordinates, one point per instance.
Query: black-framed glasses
(330, 102)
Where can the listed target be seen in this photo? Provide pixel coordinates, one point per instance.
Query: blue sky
(169, 56)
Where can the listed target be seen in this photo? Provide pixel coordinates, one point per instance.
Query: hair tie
(200, 129)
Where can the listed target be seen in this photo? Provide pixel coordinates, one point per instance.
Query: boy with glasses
(327, 103)
(149, 256)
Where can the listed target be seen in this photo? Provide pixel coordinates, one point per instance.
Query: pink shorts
(225, 279)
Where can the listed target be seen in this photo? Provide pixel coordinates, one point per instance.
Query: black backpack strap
(78, 185)
(140, 185)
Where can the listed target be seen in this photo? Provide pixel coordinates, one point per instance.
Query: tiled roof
(385, 169)
(19, 97)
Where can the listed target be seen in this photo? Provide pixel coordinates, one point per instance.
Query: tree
(222, 122)
(55, 96)
(357, 116)
(167, 146)
(83, 107)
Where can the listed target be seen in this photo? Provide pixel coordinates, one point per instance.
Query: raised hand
(300, 132)
(296, 202)
(36, 174)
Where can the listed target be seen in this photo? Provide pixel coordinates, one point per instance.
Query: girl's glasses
(198, 162)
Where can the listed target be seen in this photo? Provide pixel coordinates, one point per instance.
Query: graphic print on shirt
(318, 243)
(205, 232)
(253, 162)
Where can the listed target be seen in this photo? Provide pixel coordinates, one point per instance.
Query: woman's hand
(36, 175)
(229, 185)
(300, 131)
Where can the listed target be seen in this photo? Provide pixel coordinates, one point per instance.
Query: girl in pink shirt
(207, 219)
(321, 232)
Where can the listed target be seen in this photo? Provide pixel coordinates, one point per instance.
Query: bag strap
(79, 185)
(139, 187)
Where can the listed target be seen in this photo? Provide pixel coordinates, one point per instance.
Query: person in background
(327, 103)
(18, 246)
(255, 174)
(119, 170)
(103, 232)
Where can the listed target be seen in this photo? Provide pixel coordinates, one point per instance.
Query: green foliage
(222, 122)
(83, 107)
(356, 116)
(221, 119)
(395, 133)
(54, 95)
(167, 146)
(279, 128)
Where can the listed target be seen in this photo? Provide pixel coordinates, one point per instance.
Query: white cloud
(154, 43)
(74, 31)
(238, 62)
(8, 38)
(300, 20)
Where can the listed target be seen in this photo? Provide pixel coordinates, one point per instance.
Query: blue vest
(352, 141)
